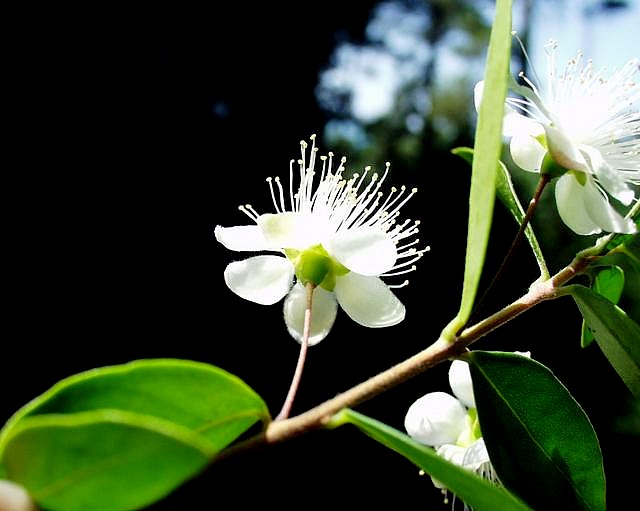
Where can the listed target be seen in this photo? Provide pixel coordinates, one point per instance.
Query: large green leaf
(201, 397)
(130, 432)
(507, 195)
(539, 439)
(607, 282)
(101, 460)
(616, 333)
(487, 145)
(473, 490)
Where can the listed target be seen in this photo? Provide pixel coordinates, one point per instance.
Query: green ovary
(314, 265)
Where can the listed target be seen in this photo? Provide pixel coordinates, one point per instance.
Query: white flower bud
(435, 419)
(14, 497)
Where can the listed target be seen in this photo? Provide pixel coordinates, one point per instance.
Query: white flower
(590, 126)
(450, 424)
(341, 234)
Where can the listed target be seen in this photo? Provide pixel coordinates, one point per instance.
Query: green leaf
(101, 460)
(607, 282)
(539, 439)
(131, 432)
(488, 145)
(206, 399)
(507, 195)
(616, 333)
(472, 489)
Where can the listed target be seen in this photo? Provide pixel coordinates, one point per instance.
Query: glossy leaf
(201, 397)
(487, 145)
(616, 333)
(507, 195)
(472, 489)
(607, 282)
(539, 439)
(101, 460)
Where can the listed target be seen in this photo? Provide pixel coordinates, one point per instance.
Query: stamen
(249, 211)
(398, 286)
(273, 197)
(291, 197)
(401, 272)
(414, 242)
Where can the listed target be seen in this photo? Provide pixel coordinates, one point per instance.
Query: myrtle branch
(438, 352)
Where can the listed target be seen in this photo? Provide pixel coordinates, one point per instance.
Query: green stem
(533, 203)
(304, 345)
(439, 351)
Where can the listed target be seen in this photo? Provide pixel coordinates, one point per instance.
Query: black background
(136, 132)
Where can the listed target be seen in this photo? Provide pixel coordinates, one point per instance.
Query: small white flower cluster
(450, 424)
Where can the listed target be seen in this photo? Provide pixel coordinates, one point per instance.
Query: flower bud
(435, 419)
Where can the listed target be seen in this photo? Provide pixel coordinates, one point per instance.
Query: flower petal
(323, 313)
(513, 122)
(586, 210)
(460, 382)
(450, 452)
(563, 151)
(290, 230)
(478, 91)
(611, 180)
(262, 279)
(366, 251)
(527, 152)
(15, 497)
(242, 238)
(435, 419)
(476, 455)
(368, 301)
(570, 201)
(604, 214)
(453, 453)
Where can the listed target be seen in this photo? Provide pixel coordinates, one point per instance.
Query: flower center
(315, 265)
(471, 432)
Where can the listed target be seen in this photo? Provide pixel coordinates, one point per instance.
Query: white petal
(478, 90)
(476, 455)
(291, 230)
(604, 214)
(527, 152)
(460, 382)
(14, 497)
(586, 210)
(435, 419)
(368, 301)
(563, 151)
(262, 279)
(243, 238)
(570, 201)
(453, 453)
(323, 313)
(365, 251)
(450, 452)
(515, 124)
(610, 179)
